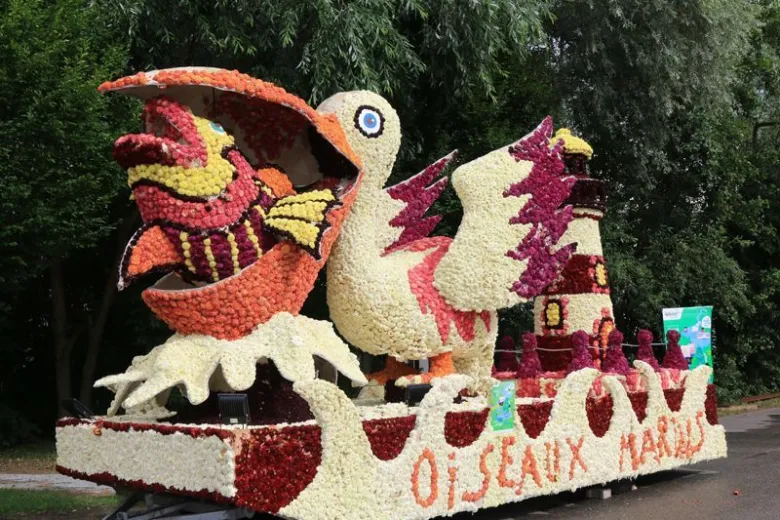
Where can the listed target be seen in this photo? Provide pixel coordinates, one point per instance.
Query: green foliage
(679, 99)
(15, 428)
(24, 501)
(57, 179)
(322, 47)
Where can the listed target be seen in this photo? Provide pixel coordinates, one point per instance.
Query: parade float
(246, 193)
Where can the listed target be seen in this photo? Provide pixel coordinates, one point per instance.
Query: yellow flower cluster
(183, 236)
(195, 180)
(309, 196)
(553, 314)
(253, 237)
(211, 259)
(601, 275)
(301, 215)
(309, 211)
(234, 252)
(302, 232)
(571, 143)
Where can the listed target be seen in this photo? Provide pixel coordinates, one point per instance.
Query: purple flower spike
(615, 362)
(530, 366)
(645, 339)
(581, 357)
(674, 357)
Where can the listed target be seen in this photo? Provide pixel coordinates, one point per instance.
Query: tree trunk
(62, 344)
(97, 325)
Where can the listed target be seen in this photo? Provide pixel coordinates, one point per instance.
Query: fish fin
(149, 250)
(302, 218)
(274, 178)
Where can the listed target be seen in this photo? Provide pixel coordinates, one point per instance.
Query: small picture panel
(502, 406)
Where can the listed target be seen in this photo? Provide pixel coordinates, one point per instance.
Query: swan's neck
(366, 231)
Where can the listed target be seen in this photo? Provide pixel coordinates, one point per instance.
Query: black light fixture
(415, 393)
(233, 408)
(76, 409)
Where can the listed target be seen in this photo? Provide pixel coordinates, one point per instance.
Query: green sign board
(695, 327)
(502, 406)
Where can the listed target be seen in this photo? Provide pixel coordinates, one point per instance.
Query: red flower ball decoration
(557, 352)
(615, 362)
(645, 352)
(581, 357)
(462, 429)
(530, 366)
(674, 357)
(507, 358)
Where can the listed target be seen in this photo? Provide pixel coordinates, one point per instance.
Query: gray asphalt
(746, 485)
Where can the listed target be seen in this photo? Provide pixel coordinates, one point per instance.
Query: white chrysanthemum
(198, 364)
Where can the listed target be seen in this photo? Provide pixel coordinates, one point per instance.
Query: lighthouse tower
(579, 299)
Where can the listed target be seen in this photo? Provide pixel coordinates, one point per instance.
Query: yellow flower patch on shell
(207, 180)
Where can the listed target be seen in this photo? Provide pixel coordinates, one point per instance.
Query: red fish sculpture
(208, 214)
(242, 188)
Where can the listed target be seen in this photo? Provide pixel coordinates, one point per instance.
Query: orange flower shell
(280, 281)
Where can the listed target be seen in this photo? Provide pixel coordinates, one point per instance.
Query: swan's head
(372, 129)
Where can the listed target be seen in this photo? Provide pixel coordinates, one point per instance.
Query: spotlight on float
(233, 408)
(415, 393)
(76, 409)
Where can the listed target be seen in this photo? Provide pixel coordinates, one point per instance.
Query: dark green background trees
(679, 98)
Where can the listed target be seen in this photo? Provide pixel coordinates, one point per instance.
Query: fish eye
(217, 127)
(369, 121)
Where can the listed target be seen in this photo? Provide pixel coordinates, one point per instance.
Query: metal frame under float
(162, 506)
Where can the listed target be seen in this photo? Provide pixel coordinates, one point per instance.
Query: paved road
(704, 491)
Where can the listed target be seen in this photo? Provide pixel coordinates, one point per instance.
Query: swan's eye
(369, 121)
(217, 127)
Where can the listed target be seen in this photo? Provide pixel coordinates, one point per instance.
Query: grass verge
(739, 409)
(25, 501)
(29, 458)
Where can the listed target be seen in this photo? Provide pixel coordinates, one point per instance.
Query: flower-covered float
(246, 192)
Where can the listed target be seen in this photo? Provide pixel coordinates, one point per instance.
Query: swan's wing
(418, 193)
(507, 250)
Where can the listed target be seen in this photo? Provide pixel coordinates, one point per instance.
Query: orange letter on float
(506, 461)
(576, 457)
(468, 496)
(426, 455)
(629, 445)
(554, 468)
(648, 446)
(663, 444)
(692, 450)
(529, 467)
(453, 472)
(681, 447)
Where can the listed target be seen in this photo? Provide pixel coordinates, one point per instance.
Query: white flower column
(579, 298)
